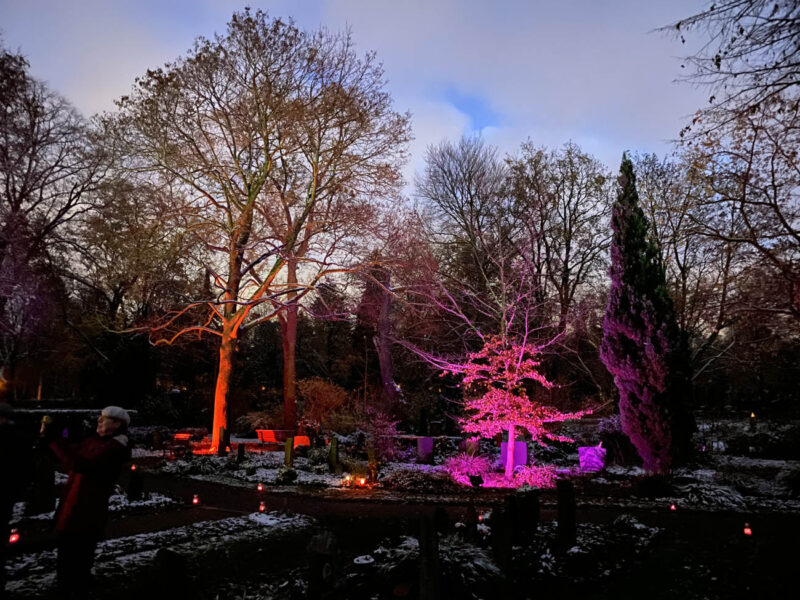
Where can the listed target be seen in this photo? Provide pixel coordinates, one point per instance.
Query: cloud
(576, 70)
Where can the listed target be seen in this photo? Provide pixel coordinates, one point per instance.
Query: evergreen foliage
(642, 346)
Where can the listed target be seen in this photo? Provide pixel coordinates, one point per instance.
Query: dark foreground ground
(695, 554)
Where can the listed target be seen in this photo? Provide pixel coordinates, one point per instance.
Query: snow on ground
(256, 468)
(32, 574)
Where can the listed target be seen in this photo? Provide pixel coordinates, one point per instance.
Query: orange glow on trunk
(227, 349)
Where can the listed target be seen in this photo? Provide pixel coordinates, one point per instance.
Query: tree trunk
(510, 452)
(288, 321)
(227, 351)
(383, 345)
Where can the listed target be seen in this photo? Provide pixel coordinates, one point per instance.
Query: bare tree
(751, 55)
(702, 272)
(564, 199)
(328, 183)
(48, 164)
(753, 173)
(273, 137)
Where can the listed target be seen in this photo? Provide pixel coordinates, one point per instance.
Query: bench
(279, 437)
(181, 445)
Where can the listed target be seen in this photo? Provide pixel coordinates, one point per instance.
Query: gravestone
(592, 459)
(425, 450)
(520, 453)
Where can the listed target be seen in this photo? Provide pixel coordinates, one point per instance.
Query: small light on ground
(260, 487)
(133, 467)
(14, 537)
(195, 499)
(262, 507)
(747, 530)
(673, 507)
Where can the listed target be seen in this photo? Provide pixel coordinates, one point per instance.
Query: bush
(419, 480)
(381, 432)
(460, 467)
(286, 475)
(321, 399)
(262, 419)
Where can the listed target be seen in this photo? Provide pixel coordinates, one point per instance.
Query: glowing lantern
(362, 481)
(673, 507)
(195, 499)
(14, 537)
(133, 467)
(260, 487)
(348, 480)
(747, 530)
(752, 415)
(262, 507)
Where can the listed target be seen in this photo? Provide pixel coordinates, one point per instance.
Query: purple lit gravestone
(592, 458)
(520, 453)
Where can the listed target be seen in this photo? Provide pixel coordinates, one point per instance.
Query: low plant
(462, 466)
(286, 475)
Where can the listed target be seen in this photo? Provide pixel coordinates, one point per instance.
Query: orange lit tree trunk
(227, 352)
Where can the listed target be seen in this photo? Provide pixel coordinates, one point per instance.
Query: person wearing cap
(94, 466)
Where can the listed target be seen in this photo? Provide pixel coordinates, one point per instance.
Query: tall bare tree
(275, 137)
(48, 164)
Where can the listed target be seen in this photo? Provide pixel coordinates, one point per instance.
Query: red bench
(279, 436)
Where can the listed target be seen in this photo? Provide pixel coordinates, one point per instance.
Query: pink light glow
(14, 537)
(195, 499)
(747, 530)
(260, 487)
(133, 467)
(262, 507)
(673, 507)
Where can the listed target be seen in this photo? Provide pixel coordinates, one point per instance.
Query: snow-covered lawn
(32, 575)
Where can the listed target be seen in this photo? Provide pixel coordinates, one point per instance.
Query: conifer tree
(642, 346)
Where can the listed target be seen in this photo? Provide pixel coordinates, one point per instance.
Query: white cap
(115, 412)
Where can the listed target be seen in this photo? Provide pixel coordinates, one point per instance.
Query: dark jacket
(94, 466)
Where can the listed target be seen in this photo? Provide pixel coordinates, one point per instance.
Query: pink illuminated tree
(495, 380)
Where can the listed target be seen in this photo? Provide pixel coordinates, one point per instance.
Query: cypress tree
(642, 345)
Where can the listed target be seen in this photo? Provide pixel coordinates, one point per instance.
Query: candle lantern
(262, 507)
(673, 507)
(133, 467)
(195, 499)
(747, 529)
(14, 537)
(260, 487)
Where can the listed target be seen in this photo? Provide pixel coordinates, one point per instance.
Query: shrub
(420, 480)
(286, 475)
(533, 476)
(460, 467)
(321, 398)
(262, 419)
(381, 432)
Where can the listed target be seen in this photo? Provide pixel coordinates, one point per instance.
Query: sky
(593, 72)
